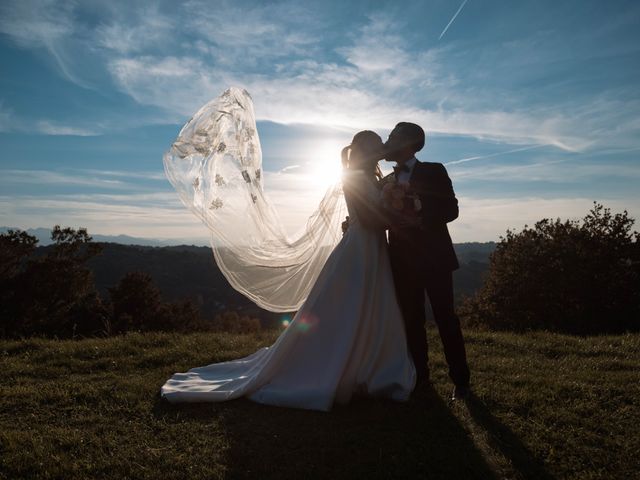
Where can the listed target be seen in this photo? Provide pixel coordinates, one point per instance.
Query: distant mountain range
(190, 272)
(467, 252)
(44, 238)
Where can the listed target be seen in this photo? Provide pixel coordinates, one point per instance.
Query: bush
(231, 321)
(575, 277)
(137, 305)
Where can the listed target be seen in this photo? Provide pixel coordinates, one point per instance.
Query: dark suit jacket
(429, 247)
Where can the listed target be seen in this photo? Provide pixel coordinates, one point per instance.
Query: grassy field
(545, 406)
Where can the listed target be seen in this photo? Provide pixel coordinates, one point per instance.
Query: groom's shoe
(461, 393)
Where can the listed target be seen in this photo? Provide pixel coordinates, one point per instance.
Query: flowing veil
(215, 165)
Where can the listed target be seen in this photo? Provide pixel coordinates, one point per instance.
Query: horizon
(43, 235)
(534, 109)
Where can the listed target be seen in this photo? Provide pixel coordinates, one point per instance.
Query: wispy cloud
(9, 122)
(134, 30)
(45, 24)
(564, 171)
(485, 219)
(289, 168)
(104, 215)
(379, 82)
(163, 216)
(118, 180)
(50, 128)
(36, 23)
(47, 177)
(371, 77)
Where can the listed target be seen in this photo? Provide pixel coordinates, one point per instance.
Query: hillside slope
(191, 272)
(546, 406)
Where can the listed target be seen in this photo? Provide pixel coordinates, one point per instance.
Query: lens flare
(285, 320)
(306, 323)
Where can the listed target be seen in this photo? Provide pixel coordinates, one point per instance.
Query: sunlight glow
(326, 165)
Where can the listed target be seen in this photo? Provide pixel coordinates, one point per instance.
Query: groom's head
(404, 141)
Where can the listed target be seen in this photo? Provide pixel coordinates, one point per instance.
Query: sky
(533, 106)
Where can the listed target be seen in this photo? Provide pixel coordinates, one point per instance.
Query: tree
(52, 294)
(569, 276)
(137, 305)
(16, 247)
(135, 301)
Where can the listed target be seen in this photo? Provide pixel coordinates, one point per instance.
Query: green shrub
(579, 277)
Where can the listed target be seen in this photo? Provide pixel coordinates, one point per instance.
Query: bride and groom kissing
(361, 329)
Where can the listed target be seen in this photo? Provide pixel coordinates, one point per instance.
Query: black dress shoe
(461, 393)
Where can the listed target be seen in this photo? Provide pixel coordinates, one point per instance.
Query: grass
(545, 406)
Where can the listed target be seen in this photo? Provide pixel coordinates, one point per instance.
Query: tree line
(579, 277)
(54, 294)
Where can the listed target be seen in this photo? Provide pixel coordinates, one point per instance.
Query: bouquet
(398, 197)
(401, 203)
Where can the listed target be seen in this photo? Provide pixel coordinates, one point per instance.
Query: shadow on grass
(502, 438)
(368, 438)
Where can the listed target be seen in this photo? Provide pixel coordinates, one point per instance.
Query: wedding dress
(346, 338)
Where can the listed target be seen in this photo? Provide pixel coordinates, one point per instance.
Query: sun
(326, 164)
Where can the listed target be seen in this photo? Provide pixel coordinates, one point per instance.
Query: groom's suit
(423, 259)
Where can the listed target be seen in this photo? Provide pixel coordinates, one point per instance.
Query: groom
(423, 259)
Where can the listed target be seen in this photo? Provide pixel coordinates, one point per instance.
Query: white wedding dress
(347, 338)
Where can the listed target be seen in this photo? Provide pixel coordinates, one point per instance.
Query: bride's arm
(364, 200)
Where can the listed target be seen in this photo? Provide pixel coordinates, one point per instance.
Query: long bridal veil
(215, 165)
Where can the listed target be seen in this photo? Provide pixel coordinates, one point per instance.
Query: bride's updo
(364, 153)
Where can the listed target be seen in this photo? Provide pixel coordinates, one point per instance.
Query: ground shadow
(502, 438)
(368, 438)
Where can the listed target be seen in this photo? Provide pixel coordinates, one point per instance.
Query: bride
(348, 335)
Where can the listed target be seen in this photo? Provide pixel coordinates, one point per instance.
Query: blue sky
(534, 106)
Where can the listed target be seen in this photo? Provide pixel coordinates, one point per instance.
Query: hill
(44, 238)
(191, 272)
(91, 409)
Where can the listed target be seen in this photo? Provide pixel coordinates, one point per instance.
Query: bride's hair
(352, 155)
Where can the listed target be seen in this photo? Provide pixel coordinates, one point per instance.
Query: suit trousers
(438, 285)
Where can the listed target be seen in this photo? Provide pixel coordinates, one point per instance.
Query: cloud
(50, 128)
(378, 81)
(369, 76)
(135, 30)
(9, 122)
(47, 177)
(104, 215)
(552, 171)
(239, 35)
(288, 168)
(161, 215)
(147, 79)
(36, 23)
(50, 25)
(483, 219)
(118, 180)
